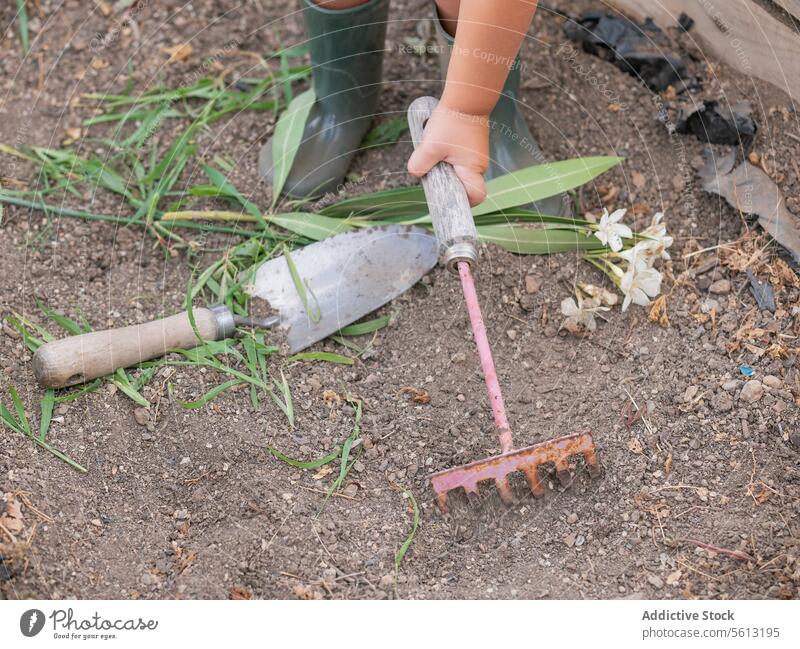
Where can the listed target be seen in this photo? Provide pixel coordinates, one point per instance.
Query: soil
(192, 505)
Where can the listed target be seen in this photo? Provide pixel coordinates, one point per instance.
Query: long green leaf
(361, 328)
(220, 181)
(328, 357)
(302, 288)
(23, 420)
(212, 394)
(508, 191)
(537, 241)
(61, 320)
(22, 12)
(310, 225)
(541, 181)
(122, 382)
(48, 401)
(287, 139)
(401, 552)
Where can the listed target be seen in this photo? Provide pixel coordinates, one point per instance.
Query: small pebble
(720, 287)
(752, 391)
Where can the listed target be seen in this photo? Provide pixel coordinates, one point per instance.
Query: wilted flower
(610, 231)
(603, 295)
(639, 282)
(581, 314)
(658, 240)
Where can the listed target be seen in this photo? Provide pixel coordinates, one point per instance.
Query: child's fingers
(473, 182)
(423, 159)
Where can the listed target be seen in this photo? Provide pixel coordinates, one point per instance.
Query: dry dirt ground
(194, 506)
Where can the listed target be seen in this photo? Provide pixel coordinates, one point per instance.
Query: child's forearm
(488, 38)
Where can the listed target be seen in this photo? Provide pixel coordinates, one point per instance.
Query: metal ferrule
(457, 252)
(226, 326)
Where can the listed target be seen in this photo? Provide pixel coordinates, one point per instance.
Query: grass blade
(388, 132)
(361, 328)
(23, 420)
(287, 405)
(69, 325)
(300, 286)
(401, 552)
(122, 382)
(212, 394)
(24, 37)
(287, 139)
(328, 357)
(48, 401)
(344, 468)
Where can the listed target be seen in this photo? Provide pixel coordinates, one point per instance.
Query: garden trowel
(315, 291)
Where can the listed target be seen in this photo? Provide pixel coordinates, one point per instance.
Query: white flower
(658, 240)
(610, 231)
(641, 255)
(582, 313)
(638, 283)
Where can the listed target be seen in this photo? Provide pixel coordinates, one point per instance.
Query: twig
(325, 493)
(10, 535)
(23, 496)
(734, 554)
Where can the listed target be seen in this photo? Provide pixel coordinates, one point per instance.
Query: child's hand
(460, 139)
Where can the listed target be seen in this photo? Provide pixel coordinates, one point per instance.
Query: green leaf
(61, 320)
(48, 401)
(22, 12)
(344, 468)
(219, 181)
(361, 328)
(302, 288)
(10, 420)
(310, 225)
(23, 420)
(537, 241)
(541, 181)
(404, 202)
(287, 405)
(328, 357)
(122, 382)
(387, 132)
(212, 394)
(287, 139)
(401, 552)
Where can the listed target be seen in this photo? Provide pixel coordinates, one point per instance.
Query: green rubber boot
(511, 144)
(347, 67)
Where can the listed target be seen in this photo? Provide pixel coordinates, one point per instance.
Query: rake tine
(504, 489)
(532, 474)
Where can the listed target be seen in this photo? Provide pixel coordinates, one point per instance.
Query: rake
(458, 238)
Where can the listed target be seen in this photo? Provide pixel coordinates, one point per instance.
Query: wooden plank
(756, 37)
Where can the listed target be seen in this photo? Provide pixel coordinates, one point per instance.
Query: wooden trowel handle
(446, 196)
(82, 358)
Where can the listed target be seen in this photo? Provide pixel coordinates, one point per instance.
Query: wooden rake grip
(446, 196)
(77, 359)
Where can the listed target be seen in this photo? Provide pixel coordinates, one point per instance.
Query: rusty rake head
(528, 460)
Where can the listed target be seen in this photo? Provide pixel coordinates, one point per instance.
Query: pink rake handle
(485, 354)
